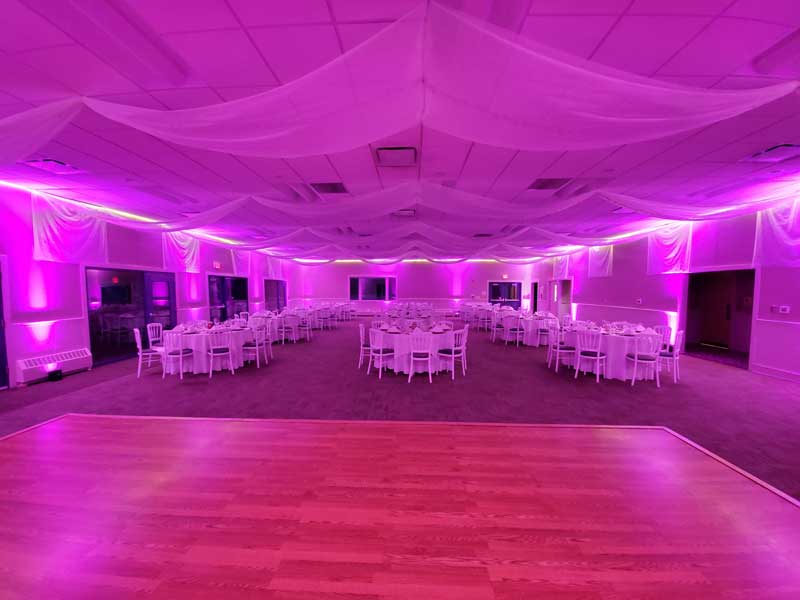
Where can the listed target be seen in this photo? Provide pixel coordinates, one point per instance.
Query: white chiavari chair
(588, 351)
(174, 352)
(377, 353)
(421, 351)
(219, 347)
(645, 356)
(148, 353)
(671, 356)
(556, 347)
(457, 351)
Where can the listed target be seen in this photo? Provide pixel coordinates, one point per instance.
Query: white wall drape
(669, 249)
(601, 260)
(778, 236)
(66, 233)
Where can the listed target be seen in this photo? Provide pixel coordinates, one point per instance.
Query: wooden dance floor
(127, 507)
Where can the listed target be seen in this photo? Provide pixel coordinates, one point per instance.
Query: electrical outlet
(784, 309)
(638, 301)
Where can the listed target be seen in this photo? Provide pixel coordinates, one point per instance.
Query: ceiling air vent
(482, 235)
(774, 154)
(405, 213)
(548, 184)
(396, 156)
(51, 165)
(336, 187)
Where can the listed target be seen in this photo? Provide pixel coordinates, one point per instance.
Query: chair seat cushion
(420, 354)
(184, 351)
(564, 348)
(365, 347)
(665, 354)
(515, 330)
(450, 352)
(543, 330)
(220, 350)
(150, 351)
(592, 353)
(382, 351)
(642, 357)
(249, 345)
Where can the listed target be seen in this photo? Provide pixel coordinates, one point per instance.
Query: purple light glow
(40, 330)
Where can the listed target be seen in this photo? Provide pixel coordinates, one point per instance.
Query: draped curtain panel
(601, 260)
(181, 252)
(561, 267)
(669, 249)
(66, 233)
(778, 236)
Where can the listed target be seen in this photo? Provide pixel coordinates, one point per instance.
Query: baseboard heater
(37, 368)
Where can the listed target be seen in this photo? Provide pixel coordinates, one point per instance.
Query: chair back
(665, 331)
(173, 340)
(244, 316)
(553, 333)
(588, 340)
(677, 348)
(259, 331)
(460, 338)
(421, 341)
(510, 321)
(154, 333)
(218, 339)
(375, 338)
(647, 345)
(566, 320)
(362, 334)
(137, 335)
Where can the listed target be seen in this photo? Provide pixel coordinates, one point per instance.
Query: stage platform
(149, 507)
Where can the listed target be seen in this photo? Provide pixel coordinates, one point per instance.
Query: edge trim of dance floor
(684, 439)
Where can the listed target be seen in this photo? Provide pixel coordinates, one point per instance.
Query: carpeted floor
(751, 420)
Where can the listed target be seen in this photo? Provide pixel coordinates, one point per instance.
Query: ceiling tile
(576, 35)
(354, 34)
(23, 29)
(578, 7)
(704, 55)
(180, 98)
(294, 51)
(222, 58)
(185, 15)
(79, 70)
(257, 12)
(783, 12)
(234, 93)
(370, 10)
(482, 166)
(678, 7)
(655, 39)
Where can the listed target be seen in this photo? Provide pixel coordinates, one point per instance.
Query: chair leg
(635, 370)
(411, 371)
(577, 366)
(430, 370)
(658, 377)
(139, 368)
(597, 371)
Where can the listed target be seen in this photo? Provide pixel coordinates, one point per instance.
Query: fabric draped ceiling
(447, 71)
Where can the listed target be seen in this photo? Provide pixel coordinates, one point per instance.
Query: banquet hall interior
(380, 299)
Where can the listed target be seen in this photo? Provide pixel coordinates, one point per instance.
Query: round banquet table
(616, 347)
(199, 362)
(401, 344)
(530, 338)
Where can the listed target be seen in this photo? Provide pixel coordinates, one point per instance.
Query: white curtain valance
(66, 233)
(669, 249)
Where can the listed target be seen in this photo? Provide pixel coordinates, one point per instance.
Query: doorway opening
(719, 316)
(506, 293)
(3, 355)
(535, 296)
(121, 300)
(227, 296)
(274, 294)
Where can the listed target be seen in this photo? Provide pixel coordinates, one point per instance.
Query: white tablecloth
(401, 344)
(531, 326)
(199, 361)
(616, 347)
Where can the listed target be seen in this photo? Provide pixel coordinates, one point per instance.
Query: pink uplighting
(338, 262)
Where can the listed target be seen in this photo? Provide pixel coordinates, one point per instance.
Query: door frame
(264, 291)
(489, 282)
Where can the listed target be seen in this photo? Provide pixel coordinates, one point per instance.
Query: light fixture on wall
(505, 275)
